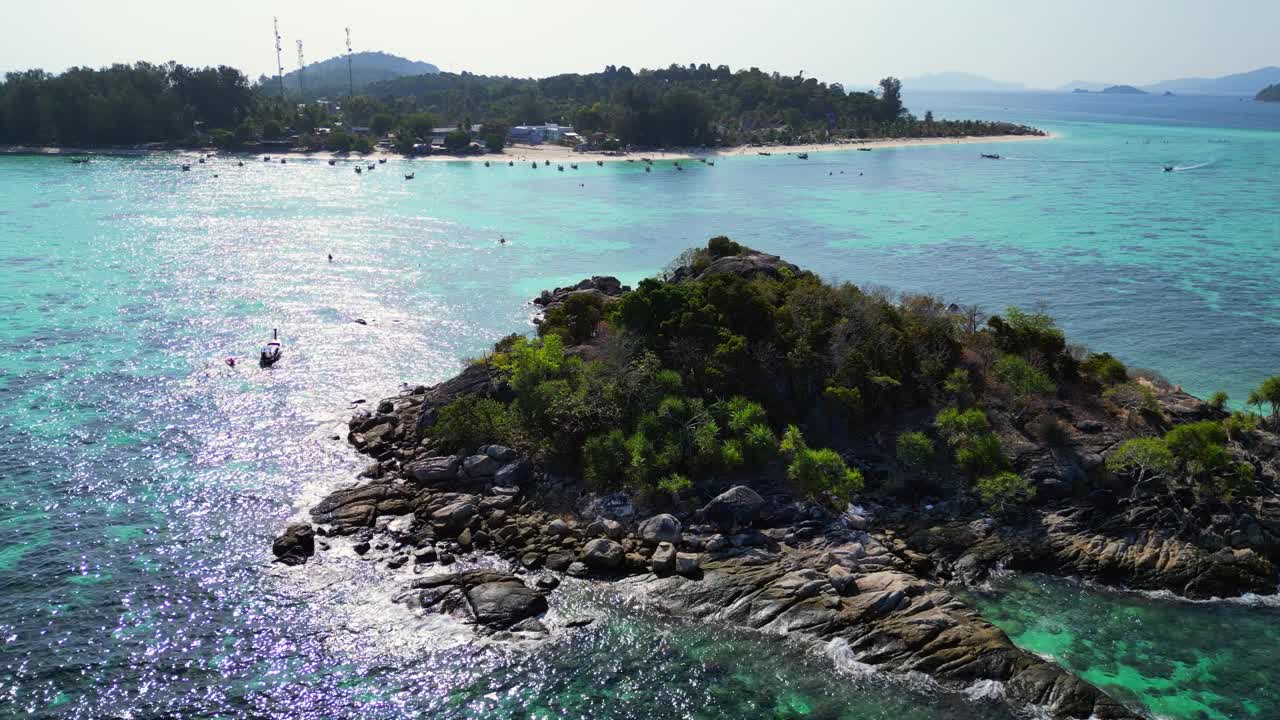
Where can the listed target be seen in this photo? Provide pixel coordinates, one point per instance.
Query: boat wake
(1180, 168)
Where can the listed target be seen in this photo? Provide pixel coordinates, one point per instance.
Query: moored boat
(272, 352)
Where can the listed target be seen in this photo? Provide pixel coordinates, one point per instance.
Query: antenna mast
(351, 85)
(302, 66)
(275, 23)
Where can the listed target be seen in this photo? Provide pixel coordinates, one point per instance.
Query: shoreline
(533, 153)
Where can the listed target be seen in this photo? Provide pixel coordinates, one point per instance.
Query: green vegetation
(1268, 393)
(1144, 458)
(1218, 400)
(1025, 382)
(576, 320)
(977, 449)
(819, 473)
(1196, 451)
(125, 104)
(1005, 491)
(1104, 369)
(714, 375)
(1135, 397)
(685, 106)
(472, 421)
(679, 105)
(914, 449)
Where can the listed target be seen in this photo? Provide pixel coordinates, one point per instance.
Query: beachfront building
(538, 134)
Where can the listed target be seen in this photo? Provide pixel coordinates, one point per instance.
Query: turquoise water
(1179, 659)
(141, 480)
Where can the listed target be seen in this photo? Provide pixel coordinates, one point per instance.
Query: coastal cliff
(740, 442)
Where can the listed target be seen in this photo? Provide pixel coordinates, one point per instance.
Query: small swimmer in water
(231, 362)
(330, 257)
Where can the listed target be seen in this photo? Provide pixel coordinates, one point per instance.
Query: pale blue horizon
(1040, 45)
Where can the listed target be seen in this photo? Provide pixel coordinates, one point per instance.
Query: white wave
(1180, 168)
(985, 690)
(845, 660)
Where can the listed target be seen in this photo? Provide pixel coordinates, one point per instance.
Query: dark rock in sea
(360, 506)
(295, 544)
(495, 600)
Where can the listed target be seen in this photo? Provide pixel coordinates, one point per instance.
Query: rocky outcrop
(737, 507)
(491, 599)
(360, 506)
(870, 581)
(603, 286)
(295, 544)
(747, 265)
(846, 588)
(1063, 542)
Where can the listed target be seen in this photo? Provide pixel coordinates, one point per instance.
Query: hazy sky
(1043, 44)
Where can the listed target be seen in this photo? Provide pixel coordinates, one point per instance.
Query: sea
(142, 479)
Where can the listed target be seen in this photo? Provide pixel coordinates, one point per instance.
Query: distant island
(1112, 90)
(457, 113)
(1270, 93)
(1245, 83)
(1123, 90)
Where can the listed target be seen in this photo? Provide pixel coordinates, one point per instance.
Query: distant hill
(1246, 83)
(1270, 93)
(958, 81)
(1122, 90)
(330, 76)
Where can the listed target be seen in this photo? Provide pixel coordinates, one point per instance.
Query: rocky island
(1270, 93)
(1123, 90)
(740, 442)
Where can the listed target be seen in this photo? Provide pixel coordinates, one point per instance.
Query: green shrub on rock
(1104, 369)
(576, 319)
(982, 455)
(470, 421)
(1005, 491)
(914, 449)
(604, 459)
(819, 473)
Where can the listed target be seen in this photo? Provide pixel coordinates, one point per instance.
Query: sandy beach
(555, 154)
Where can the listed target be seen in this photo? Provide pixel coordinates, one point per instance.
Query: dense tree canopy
(678, 106)
(121, 104)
